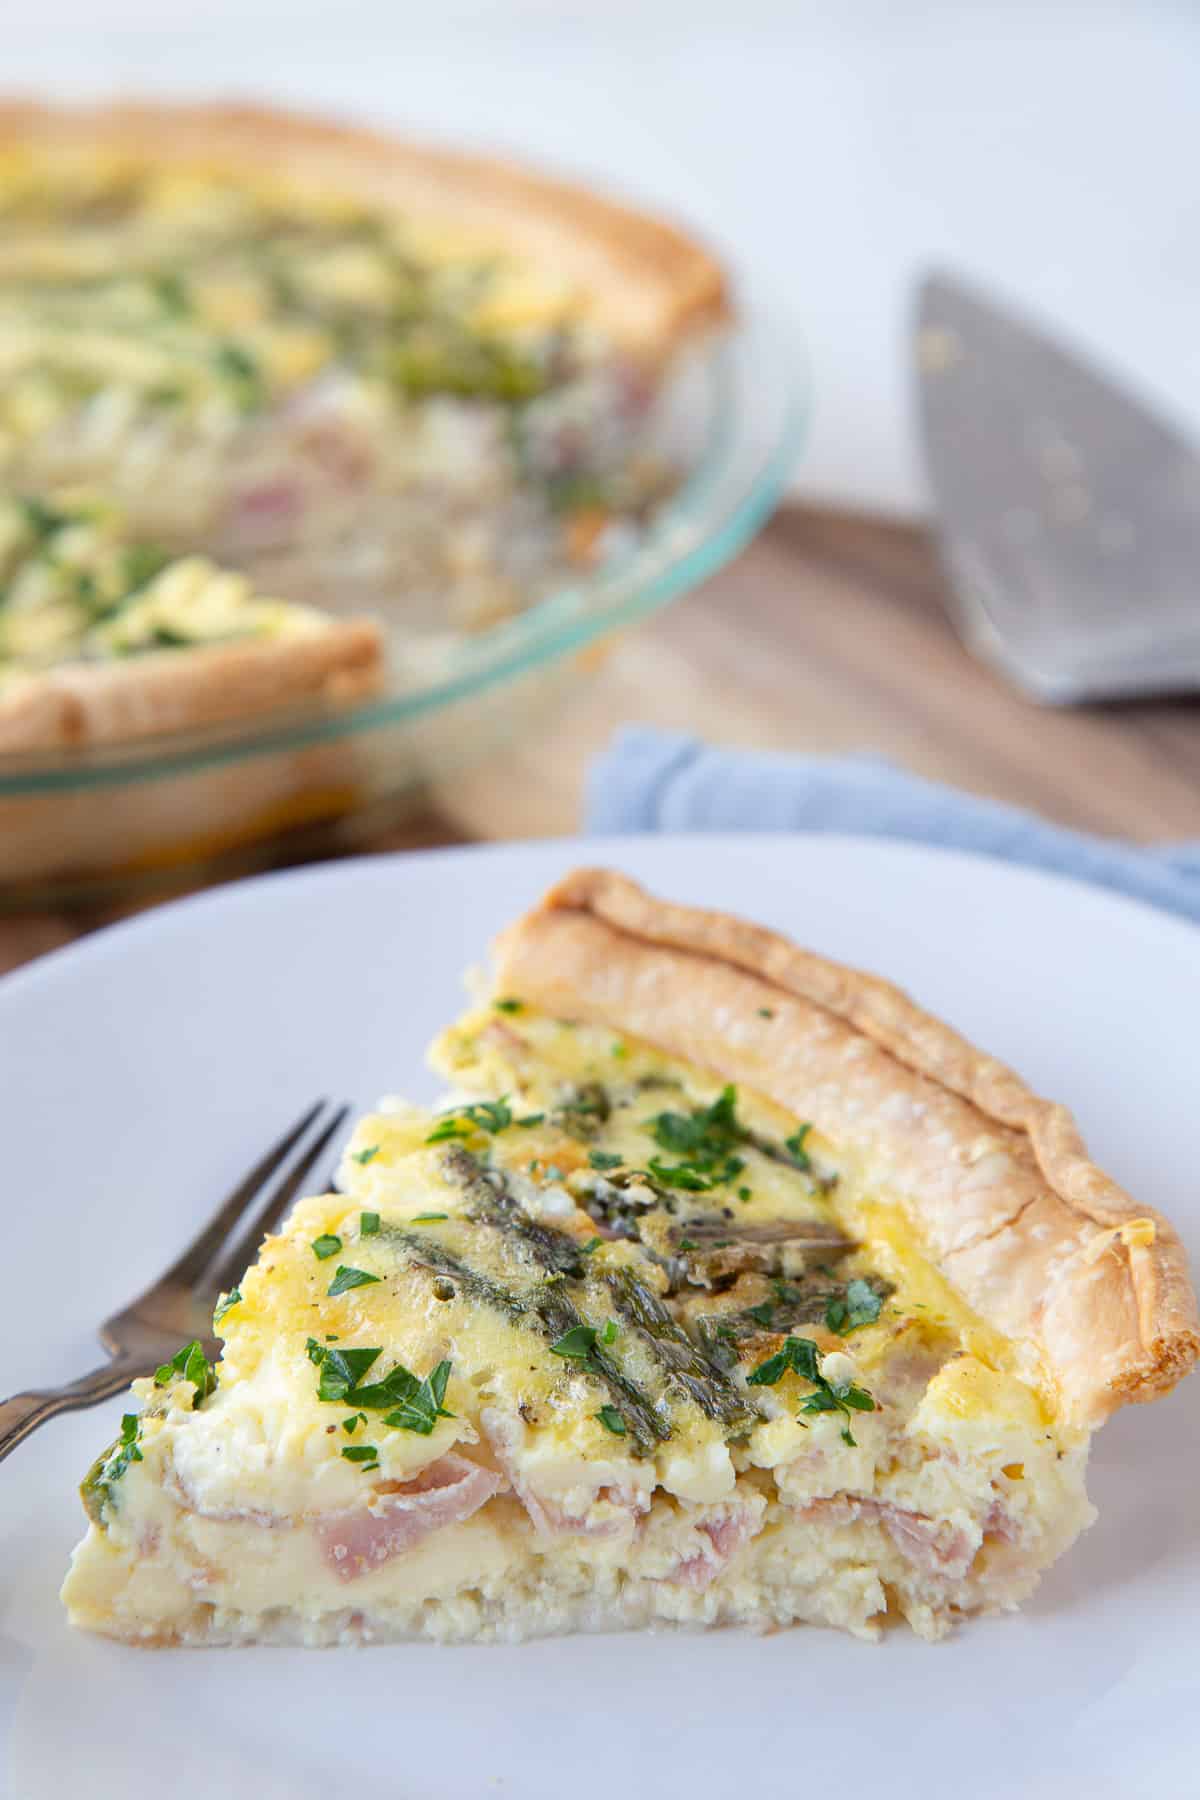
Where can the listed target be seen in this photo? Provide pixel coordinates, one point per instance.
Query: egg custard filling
(607, 1340)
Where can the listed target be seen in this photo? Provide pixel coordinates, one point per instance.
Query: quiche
(373, 381)
(726, 1287)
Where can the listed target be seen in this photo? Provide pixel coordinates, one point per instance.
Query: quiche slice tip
(726, 1287)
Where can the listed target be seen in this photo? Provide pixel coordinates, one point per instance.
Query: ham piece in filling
(400, 1514)
(932, 1545)
(613, 1511)
(726, 1533)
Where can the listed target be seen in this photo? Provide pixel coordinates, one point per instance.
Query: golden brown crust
(81, 705)
(997, 1182)
(651, 285)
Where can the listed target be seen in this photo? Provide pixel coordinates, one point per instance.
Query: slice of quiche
(727, 1287)
(93, 618)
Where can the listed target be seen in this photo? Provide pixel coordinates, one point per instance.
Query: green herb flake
(762, 1314)
(766, 1012)
(794, 1146)
(421, 1407)
(108, 1469)
(509, 1006)
(361, 1453)
(194, 1366)
(577, 1344)
(341, 1370)
(326, 1245)
(351, 1425)
(744, 1194)
(226, 1304)
(611, 1420)
(591, 1245)
(604, 1159)
(620, 1051)
(861, 1306)
(428, 1218)
(368, 1224)
(801, 1356)
(346, 1278)
(529, 1120)
(609, 1334)
(365, 1156)
(491, 1116)
(411, 1404)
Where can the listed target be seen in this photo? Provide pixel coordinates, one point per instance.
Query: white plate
(143, 1069)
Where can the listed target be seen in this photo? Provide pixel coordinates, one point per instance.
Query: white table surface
(831, 150)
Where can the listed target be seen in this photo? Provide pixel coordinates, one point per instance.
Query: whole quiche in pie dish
(275, 393)
(726, 1287)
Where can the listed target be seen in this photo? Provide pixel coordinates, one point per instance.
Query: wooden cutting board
(828, 634)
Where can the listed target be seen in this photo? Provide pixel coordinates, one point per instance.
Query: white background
(832, 150)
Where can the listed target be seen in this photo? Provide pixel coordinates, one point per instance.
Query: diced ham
(620, 1505)
(932, 1545)
(1000, 1524)
(267, 512)
(401, 1513)
(726, 1532)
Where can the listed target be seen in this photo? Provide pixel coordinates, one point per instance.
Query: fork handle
(25, 1412)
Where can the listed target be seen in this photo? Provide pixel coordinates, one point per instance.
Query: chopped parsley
(800, 1356)
(361, 1453)
(108, 1469)
(765, 1012)
(577, 1345)
(225, 1304)
(762, 1314)
(620, 1051)
(861, 1306)
(242, 373)
(346, 1278)
(410, 1403)
(611, 1420)
(604, 1159)
(125, 1450)
(368, 1224)
(428, 1218)
(351, 1425)
(341, 1370)
(491, 1116)
(794, 1146)
(609, 1334)
(326, 1245)
(509, 1006)
(705, 1139)
(592, 1244)
(170, 292)
(365, 1156)
(194, 1366)
(530, 1119)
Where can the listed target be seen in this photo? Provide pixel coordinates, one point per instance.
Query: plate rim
(98, 941)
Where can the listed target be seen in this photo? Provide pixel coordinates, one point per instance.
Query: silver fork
(179, 1306)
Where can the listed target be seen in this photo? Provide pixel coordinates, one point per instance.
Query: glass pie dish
(730, 419)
